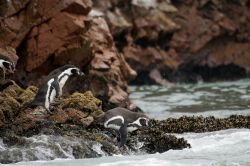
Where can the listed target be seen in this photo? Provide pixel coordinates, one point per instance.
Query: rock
(202, 124)
(183, 41)
(73, 140)
(77, 108)
(65, 32)
(12, 100)
(30, 121)
(23, 130)
(80, 118)
(109, 71)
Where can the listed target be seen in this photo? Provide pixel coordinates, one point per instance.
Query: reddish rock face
(181, 40)
(50, 33)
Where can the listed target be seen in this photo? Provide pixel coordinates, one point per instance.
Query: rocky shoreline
(28, 134)
(115, 43)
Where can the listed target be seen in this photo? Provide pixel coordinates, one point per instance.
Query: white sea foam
(227, 147)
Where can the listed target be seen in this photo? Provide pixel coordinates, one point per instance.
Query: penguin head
(9, 66)
(143, 121)
(76, 71)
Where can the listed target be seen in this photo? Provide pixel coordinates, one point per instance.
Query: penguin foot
(40, 111)
(49, 112)
(120, 144)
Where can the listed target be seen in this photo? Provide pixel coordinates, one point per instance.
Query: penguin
(63, 73)
(53, 85)
(123, 121)
(46, 94)
(6, 64)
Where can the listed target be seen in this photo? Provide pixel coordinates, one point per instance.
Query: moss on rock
(12, 99)
(202, 124)
(85, 102)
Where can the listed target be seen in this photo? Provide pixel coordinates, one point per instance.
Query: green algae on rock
(202, 124)
(81, 101)
(78, 108)
(12, 99)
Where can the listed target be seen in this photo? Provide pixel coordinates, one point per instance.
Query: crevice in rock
(143, 79)
(120, 40)
(219, 73)
(194, 74)
(24, 8)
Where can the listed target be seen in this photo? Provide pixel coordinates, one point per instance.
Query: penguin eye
(7, 65)
(12, 67)
(143, 122)
(74, 71)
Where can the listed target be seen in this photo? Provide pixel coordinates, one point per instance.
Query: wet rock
(202, 124)
(12, 100)
(29, 134)
(78, 108)
(156, 140)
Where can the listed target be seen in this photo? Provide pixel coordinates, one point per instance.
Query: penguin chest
(63, 80)
(50, 94)
(134, 125)
(114, 122)
(132, 128)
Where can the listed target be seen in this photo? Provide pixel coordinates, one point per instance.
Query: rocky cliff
(51, 33)
(181, 40)
(116, 42)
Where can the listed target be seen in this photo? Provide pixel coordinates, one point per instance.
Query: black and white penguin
(63, 73)
(123, 121)
(53, 85)
(6, 64)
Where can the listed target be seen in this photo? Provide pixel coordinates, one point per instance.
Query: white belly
(130, 129)
(52, 96)
(113, 126)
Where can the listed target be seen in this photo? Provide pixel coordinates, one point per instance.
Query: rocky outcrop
(29, 134)
(181, 41)
(78, 108)
(51, 33)
(202, 124)
(33, 134)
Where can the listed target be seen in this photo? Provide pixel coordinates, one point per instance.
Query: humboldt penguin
(53, 85)
(6, 64)
(123, 121)
(62, 74)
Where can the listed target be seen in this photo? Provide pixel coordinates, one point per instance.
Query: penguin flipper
(123, 135)
(2, 74)
(55, 84)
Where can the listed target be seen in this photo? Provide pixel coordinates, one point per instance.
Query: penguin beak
(12, 70)
(150, 124)
(81, 74)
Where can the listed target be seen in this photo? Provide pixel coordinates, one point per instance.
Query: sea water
(220, 148)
